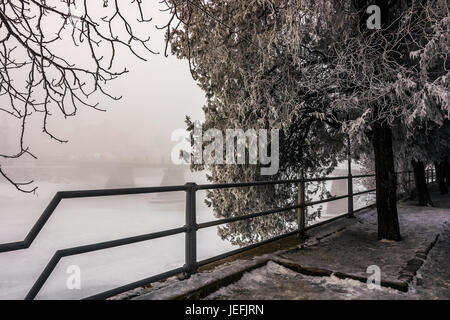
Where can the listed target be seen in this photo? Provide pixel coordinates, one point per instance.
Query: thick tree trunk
(440, 177)
(421, 183)
(388, 226)
(447, 172)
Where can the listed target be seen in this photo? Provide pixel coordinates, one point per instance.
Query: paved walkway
(419, 260)
(333, 264)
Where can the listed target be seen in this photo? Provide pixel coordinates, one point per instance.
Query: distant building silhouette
(173, 175)
(120, 177)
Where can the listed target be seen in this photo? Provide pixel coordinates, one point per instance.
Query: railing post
(192, 227)
(301, 212)
(349, 181)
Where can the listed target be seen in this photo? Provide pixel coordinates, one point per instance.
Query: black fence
(190, 228)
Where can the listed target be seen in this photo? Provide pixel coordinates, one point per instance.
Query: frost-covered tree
(273, 63)
(382, 86)
(250, 98)
(428, 144)
(415, 150)
(440, 156)
(434, 144)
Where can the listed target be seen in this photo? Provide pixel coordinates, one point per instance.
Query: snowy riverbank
(333, 263)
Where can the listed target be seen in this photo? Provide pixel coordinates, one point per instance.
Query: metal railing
(190, 228)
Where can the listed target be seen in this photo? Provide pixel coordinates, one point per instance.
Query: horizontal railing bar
(247, 216)
(336, 218)
(244, 184)
(120, 242)
(313, 203)
(363, 192)
(59, 254)
(134, 285)
(271, 182)
(252, 246)
(264, 213)
(119, 192)
(357, 176)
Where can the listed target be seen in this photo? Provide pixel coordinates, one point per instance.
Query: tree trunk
(421, 183)
(388, 227)
(447, 171)
(440, 177)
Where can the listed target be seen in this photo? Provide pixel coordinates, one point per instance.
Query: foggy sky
(156, 96)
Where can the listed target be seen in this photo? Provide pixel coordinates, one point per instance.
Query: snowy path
(276, 282)
(433, 279)
(346, 246)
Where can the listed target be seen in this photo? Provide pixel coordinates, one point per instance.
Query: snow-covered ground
(348, 246)
(351, 251)
(276, 282)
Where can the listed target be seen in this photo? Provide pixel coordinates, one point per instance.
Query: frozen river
(85, 221)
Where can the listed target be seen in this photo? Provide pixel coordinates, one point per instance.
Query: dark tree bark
(421, 184)
(388, 226)
(386, 179)
(440, 177)
(447, 171)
